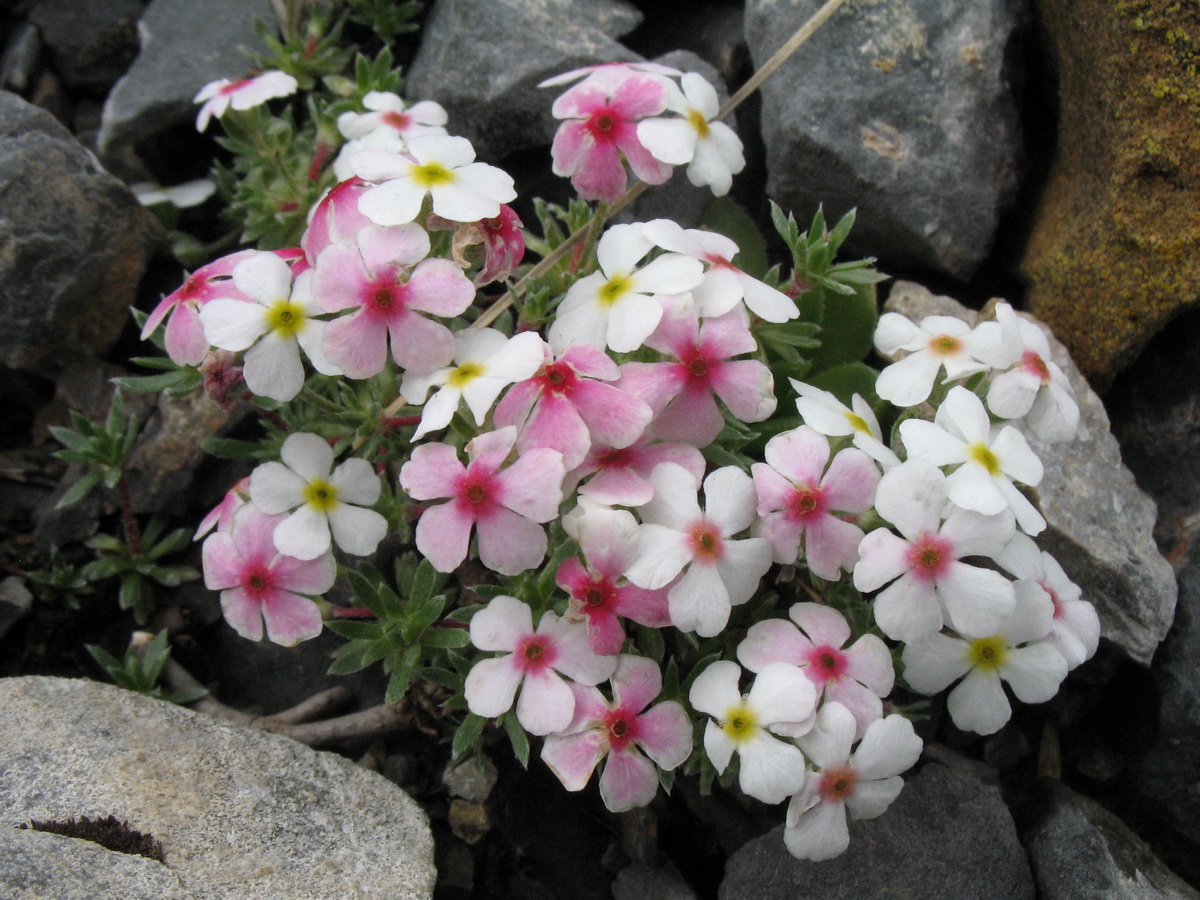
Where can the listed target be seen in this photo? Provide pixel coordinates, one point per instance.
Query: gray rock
(21, 59)
(1077, 848)
(239, 812)
(185, 44)
(73, 244)
(35, 865)
(641, 882)
(92, 44)
(1100, 522)
(900, 108)
(948, 834)
(483, 59)
(15, 601)
(1168, 776)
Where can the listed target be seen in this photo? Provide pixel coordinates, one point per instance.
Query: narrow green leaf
(466, 735)
(518, 738)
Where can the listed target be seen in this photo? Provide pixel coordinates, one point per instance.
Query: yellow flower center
(740, 723)
(464, 375)
(432, 175)
(696, 120)
(320, 495)
(286, 318)
(983, 455)
(613, 290)
(858, 423)
(988, 652)
(945, 345)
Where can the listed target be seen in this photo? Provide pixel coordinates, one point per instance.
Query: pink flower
(218, 96)
(336, 218)
(602, 122)
(387, 110)
(857, 676)
(799, 500)
(503, 245)
(598, 589)
(259, 583)
(681, 392)
(386, 279)
(609, 73)
(567, 405)
(621, 477)
(221, 515)
(719, 571)
(621, 731)
(185, 340)
(532, 659)
(504, 506)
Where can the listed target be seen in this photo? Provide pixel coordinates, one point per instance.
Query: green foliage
(388, 19)
(141, 668)
(101, 448)
(63, 583)
(406, 635)
(137, 564)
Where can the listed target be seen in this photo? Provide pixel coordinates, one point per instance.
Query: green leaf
(518, 738)
(348, 658)
(845, 381)
(355, 631)
(847, 329)
(80, 489)
(398, 686)
(446, 638)
(466, 735)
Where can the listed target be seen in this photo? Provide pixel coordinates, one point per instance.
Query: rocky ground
(1042, 153)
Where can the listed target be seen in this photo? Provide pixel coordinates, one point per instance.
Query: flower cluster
(613, 437)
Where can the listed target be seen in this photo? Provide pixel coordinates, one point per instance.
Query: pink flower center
(838, 784)
(602, 124)
(383, 298)
(477, 491)
(621, 728)
(535, 653)
(707, 543)
(258, 581)
(1033, 364)
(558, 379)
(825, 663)
(1059, 607)
(805, 502)
(720, 262)
(612, 458)
(929, 557)
(399, 121)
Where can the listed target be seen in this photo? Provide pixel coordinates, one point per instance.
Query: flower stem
(133, 534)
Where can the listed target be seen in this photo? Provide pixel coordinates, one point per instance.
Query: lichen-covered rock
(948, 834)
(901, 108)
(483, 59)
(185, 44)
(239, 812)
(1100, 523)
(1115, 247)
(74, 242)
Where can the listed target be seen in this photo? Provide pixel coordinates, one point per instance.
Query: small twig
(375, 722)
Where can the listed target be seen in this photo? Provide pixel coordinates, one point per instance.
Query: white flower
(181, 196)
(1035, 387)
(724, 284)
(323, 502)
(387, 111)
(280, 318)
(218, 96)
(824, 412)
(988, 460)
(485, 362)
(441, 166)
(938, 341)
(863, 783)
(711, 149)
(780, 701)
(676, 535)
(924, 566)
(615, 306)
(1075, 628)
(1016, 653)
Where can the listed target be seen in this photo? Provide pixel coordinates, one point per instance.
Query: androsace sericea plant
(658, 524)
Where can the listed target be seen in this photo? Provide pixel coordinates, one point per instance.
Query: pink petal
(665, 733)
(243, 612)
(491, 685)
(508, 543)
(546, 704)
(357, 344)
(290, 618)
(629, 780)
(443, 535)
(573, 758)
(773, 641)
(636, 683)
(432, 472)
